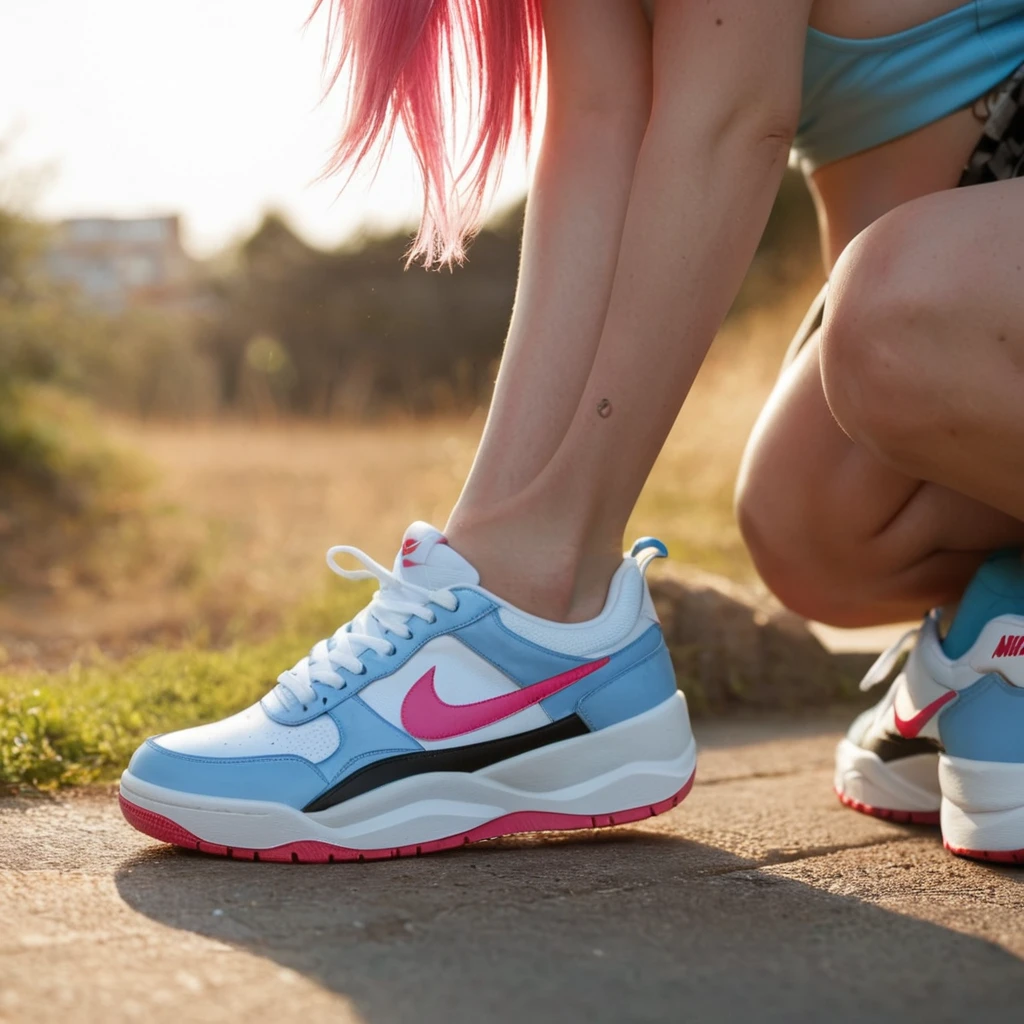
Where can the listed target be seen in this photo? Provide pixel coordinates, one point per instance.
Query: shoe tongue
(426, 559)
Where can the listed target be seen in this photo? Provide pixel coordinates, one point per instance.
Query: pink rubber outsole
(993, 856)
(932, 818)
(900, 817)
(315, 852)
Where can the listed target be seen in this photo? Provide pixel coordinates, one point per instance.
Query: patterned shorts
(998, 156)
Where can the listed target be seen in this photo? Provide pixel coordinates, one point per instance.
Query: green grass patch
(82, 725)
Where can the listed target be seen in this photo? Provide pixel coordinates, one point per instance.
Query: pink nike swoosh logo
(427, 717)
(908, 728)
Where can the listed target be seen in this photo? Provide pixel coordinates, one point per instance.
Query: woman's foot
(440, 715)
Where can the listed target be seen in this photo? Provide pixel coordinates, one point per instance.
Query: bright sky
(208, 108)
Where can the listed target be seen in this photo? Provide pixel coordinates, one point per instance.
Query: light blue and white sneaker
(945, 745)
(440, 715)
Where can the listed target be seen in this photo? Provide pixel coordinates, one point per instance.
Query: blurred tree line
(61, 484)
(276, 328)
(350, 333)
(294, 329)
(279, 327)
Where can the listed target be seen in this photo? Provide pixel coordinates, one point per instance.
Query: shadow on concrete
(605, 927)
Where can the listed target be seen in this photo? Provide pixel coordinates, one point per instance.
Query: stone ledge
(734, 647)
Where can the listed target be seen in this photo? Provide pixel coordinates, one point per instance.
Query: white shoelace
(389, 611)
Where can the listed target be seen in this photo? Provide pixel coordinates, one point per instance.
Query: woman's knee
(883, 326)
(793, 541)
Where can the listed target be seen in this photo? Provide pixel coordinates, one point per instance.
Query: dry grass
(275, 495)
(249, 509)
(281, 491)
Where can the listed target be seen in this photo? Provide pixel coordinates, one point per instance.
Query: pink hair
(403, 61)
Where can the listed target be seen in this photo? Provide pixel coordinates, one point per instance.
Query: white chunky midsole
(641, 761)
(908, 784)
(982, 804)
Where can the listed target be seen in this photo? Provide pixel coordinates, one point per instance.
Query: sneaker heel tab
(929, 641)
(646, 550)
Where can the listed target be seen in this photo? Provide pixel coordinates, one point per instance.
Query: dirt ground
(758, 899)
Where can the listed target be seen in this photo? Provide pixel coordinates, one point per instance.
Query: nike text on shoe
(946, 744)
(439, 716)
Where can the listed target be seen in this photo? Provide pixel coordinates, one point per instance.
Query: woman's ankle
(554, 577)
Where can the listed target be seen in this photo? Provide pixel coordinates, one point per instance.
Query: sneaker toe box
(247, 756)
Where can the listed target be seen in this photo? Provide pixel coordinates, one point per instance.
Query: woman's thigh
(839, 535)
(923, 342)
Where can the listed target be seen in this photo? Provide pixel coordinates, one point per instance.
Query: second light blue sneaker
(440, 715)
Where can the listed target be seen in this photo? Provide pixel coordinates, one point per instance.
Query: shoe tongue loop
(884, 668)
(426, 559)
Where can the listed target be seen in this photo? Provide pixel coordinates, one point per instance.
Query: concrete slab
(759, 899)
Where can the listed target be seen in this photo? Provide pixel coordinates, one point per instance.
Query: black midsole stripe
(469, 758)
(894, 748)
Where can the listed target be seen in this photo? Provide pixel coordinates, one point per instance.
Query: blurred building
(119, 262)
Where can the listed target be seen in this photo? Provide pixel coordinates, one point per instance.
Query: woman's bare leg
(934, 294)
(599, 102)
(546, 530)
(837, 535)
(923, 356)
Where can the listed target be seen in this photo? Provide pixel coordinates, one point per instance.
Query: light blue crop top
(859, 93)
